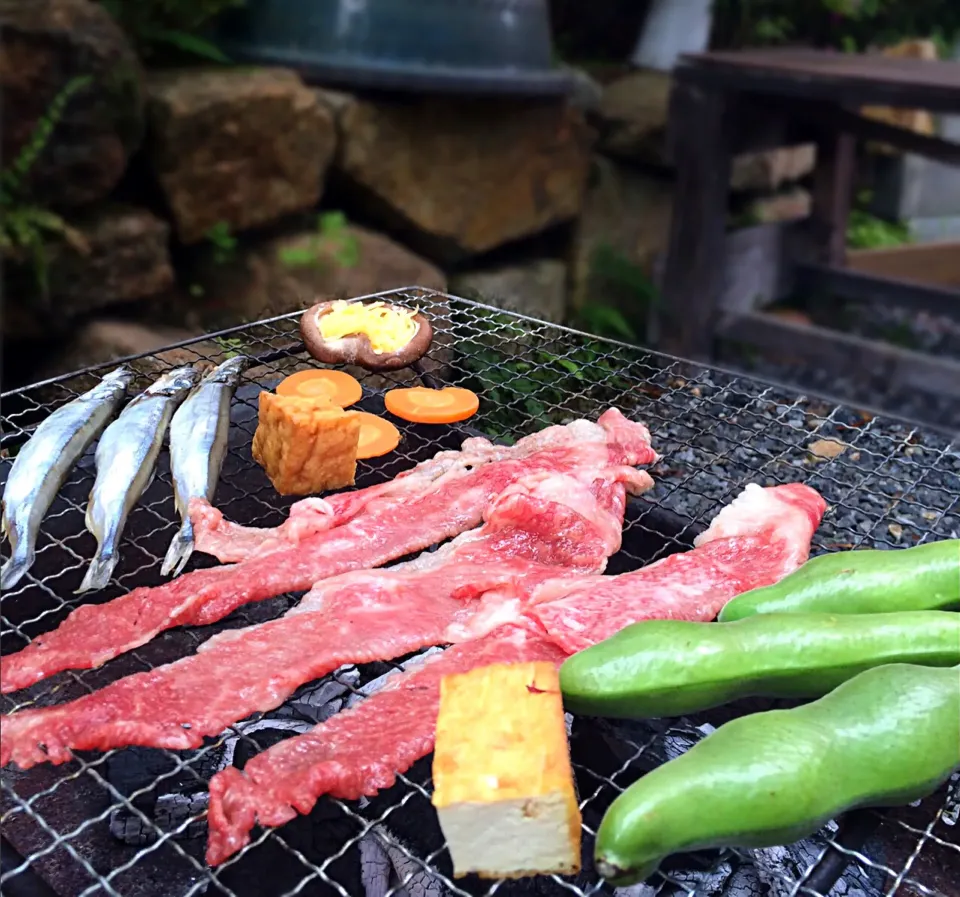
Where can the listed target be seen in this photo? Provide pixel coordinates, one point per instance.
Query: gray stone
(118, 254)
(788, 205)
(240, 146)
(107, 339)
(633, 117)
(296, 269)
(463, 176)
(625, 225)
(537, 288)
(47, 46)
(770, 169)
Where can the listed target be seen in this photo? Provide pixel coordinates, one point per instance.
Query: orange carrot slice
(432, 406)
(318, 383)
(377, 436)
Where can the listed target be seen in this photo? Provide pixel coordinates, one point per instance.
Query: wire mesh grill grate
(132, 822)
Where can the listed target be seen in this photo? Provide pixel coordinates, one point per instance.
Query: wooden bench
(725, 103)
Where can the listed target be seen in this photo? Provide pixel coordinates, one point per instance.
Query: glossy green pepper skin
(925, 577)
(672, 667)
(884, 738)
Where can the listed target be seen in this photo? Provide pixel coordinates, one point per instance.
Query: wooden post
(832, 195)
(701, 153)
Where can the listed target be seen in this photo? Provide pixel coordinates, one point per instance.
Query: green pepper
(884, 738)
(671, 667)
(925, 577)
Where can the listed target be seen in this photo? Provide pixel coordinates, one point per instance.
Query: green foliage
(867, 231)
(524, 382)
(224, 243)
(622, 284)
(849, 25)
(169, 27)
(605, 320)
(25, 226)
(231, 346)
(332, 240)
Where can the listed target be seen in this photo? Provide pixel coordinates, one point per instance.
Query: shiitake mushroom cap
(356, 349)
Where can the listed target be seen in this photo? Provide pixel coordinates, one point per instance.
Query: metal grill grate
(132, 822)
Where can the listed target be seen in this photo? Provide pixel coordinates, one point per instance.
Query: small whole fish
(43, 464)
(126, 464)
(198, 444)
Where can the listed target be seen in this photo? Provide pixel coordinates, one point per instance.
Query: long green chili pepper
(925, 577)
(884, 738)
(672, 667)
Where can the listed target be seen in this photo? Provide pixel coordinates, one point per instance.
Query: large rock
(793, 204)
(240, 146)
(293, 271)
(537, 288)
(120, 255)
(624, 227)
(461, 176)
(633, 116)
(632, 123)
(107, 339)
(770, 169)
(48, 45)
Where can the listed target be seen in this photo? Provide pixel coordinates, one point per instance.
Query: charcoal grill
(132, 822)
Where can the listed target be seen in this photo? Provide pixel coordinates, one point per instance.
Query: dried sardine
(198, 444)
(43, 464)
(126, 463)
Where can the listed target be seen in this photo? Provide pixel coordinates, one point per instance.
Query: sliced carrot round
(377, 436)
(432, 406)
(319, 383)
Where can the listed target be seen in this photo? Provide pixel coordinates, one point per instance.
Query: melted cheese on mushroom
(387, 327)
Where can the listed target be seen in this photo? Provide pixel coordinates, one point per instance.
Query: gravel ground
(934, 334)
(888, 484)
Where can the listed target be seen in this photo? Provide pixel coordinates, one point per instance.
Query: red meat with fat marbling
(386, 524)
(760, 537)
(357, 752)
(754, 541)
(230, 542)
(540, 528)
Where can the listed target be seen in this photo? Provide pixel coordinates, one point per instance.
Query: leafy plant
(332, 240)
(525, 382)
(231, 346)
(850, 25)
(605, 320)
(867, 231)
(624, 285)
(224, 243)
(26, 226)
(159, 27)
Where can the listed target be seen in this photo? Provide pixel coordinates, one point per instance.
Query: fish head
(173, 382)
(229, 371)
(121, 376)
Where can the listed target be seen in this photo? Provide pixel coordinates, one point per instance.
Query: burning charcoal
(318, 702)
(389, 670)
(258, 736)
(170, 813)
(161, 790)
(387, 868)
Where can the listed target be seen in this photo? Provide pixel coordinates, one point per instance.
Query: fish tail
(19, 562)
(179, 551)
(99, 572)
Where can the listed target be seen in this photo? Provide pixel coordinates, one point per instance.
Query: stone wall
(198, 198)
